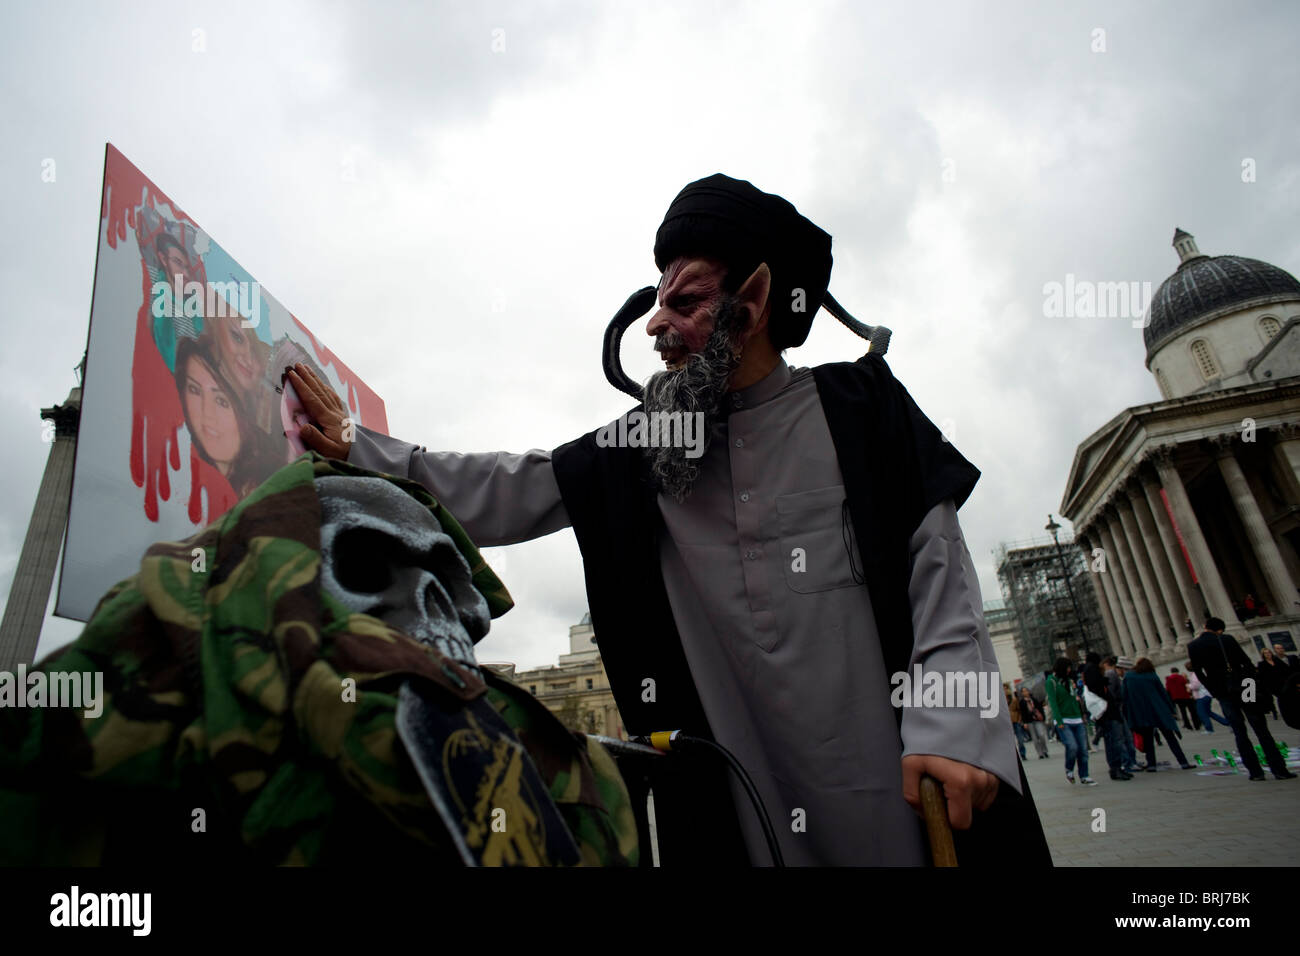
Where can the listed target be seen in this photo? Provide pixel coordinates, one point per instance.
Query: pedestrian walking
(1122, 665)
(1067, 715)
(1088, 728)
(1115, 684)
(1204, 701)
(1272, 677)
(1227, 673)
(1013, 710)
(1110, 721)
(1149, 707)
(1181, 695)
(1031, 716)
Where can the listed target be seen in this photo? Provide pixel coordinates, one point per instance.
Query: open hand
(331, 431)
(965, 786)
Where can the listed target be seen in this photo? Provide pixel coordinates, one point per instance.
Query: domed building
(1191, 505)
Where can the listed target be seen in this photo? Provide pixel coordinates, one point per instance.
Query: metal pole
(1053, 527)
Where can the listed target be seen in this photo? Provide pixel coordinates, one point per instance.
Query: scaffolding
(1049, 590)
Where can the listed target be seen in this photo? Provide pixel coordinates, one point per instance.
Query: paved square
(1173, 817)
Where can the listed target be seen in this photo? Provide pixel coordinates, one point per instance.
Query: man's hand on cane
(964, 786)
(325, 434)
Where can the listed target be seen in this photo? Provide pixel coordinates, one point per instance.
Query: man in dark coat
(1229, 675)
(1273, 672)
(786, 576)
(1111, 721)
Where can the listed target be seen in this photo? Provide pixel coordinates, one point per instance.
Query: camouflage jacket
(249, 717)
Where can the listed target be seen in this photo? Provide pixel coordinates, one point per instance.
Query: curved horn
(637, 305)
(643, 300)
(877, 335)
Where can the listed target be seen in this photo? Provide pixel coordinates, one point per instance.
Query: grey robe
(784, 652)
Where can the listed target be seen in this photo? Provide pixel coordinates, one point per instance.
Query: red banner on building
(1182, 545)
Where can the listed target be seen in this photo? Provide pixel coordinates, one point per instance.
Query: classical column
(1174, 556)
(1125, 579)
(1155, 556)
(1214, 593)
(1261, 538)
(1138, 555)
(1288, 446)
(1100, 587)
(1112, 580)
(1144, 632)
(20, 628)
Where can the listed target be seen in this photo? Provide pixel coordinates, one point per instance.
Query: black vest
(896, 465)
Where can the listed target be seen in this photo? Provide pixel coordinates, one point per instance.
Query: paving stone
(1171, 817)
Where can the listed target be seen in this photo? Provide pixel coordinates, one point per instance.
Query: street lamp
(1053, 528)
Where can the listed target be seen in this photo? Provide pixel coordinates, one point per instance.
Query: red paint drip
(155, 412)
(156, 415)
(221, 497)
(124, 185)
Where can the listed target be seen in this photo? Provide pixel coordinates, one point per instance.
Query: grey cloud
(481, 171)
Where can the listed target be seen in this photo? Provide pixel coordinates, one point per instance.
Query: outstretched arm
(498, 498)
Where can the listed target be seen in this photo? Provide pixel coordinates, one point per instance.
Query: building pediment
(1109, 455)
(1093, 453)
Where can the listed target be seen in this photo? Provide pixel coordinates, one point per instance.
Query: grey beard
(698, 386)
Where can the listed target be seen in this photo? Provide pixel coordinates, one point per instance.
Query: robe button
(740, 443)
(744, 496)
(751, 555)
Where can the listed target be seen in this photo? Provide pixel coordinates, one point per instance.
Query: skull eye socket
(363, 560)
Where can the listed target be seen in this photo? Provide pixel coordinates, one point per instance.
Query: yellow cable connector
(662, 740)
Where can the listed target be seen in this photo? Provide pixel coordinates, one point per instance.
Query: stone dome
(1206, 286)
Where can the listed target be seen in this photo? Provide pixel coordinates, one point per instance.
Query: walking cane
(935, 811)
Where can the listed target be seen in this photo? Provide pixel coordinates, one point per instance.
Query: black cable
(846, 532)
(679, 741)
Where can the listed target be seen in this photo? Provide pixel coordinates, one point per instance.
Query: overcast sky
(456, 197)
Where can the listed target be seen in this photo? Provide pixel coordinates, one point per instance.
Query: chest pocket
(818, 550)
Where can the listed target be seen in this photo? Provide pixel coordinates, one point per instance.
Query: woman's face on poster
(211, 414)
(293, 416)
(236, 347)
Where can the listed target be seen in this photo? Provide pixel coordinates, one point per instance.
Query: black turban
(731, 220)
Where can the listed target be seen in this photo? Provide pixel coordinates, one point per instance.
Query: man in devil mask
(767, 592)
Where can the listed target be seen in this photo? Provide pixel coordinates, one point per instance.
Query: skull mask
(385, 554)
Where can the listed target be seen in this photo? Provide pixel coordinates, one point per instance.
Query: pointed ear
(753, 297)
